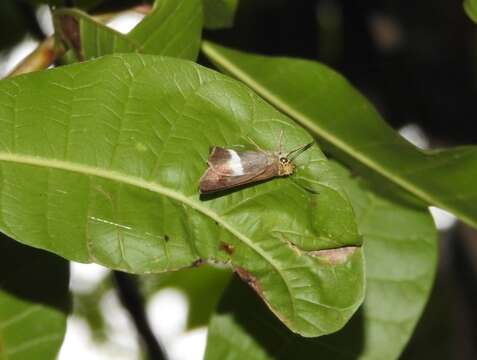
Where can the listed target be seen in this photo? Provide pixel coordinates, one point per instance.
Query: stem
(132, 300)
(42, 57)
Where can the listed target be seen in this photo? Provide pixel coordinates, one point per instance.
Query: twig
(42, 57)
(133, 302)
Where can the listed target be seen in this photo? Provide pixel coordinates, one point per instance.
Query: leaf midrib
(235, 70)
(155, 187)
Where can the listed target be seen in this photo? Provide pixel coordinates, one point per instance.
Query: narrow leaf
(34, 302)
(400, 253)
(470, 7)
(110, 152)
(325, 103)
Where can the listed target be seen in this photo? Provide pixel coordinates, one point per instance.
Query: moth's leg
(254, 143)
(280, 143)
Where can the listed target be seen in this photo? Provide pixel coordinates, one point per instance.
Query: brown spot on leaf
(198, 262)
(166, 238)
(71, 34)
(295, 248)
(334, 256)
(229, 249)
(249, 279)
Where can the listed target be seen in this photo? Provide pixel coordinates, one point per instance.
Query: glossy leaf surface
(325, 103)
(110, 152)
(34, 302)
(400, 253)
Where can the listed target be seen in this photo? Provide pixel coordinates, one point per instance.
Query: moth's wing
(252, 161)
(212, 181)
(221, 176)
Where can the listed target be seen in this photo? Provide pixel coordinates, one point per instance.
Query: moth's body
(229, 168)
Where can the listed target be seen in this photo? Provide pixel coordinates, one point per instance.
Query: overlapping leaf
(324, 102)
(172, 28)
(34, 302)
(400, 253)
(110, 152)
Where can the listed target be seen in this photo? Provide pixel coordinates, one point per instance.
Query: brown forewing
(256, 165)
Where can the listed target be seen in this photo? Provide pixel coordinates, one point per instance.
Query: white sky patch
(125, 22)
(443, 219)
(11, 57)
(415, 135)
(235, 163)
(167, 313)
(121, 345)
(85, 277)
(45, 20)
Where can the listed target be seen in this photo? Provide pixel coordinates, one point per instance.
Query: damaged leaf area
(111, 151)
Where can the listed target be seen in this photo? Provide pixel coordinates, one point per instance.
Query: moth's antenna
(298, 150)
(280, 138)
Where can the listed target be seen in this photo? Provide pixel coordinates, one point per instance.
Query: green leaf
(470, 7)
(325, 103)
(173, 28)
(88, 38)
(219, 14)
(110, 152)
(400, 253)
(34, 302)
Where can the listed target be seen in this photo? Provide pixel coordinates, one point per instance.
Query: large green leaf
(173, 28)
(34, 302)
(324, 102)
(400, 253)
(110, 153)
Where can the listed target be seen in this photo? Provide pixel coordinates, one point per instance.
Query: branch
(132, 300)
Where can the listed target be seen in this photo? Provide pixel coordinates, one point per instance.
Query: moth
(230, 168)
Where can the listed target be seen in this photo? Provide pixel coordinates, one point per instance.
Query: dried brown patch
(249, 279)
(71, 33)
(334, 256)
(295, 248)
(198, 262)
(228, 248)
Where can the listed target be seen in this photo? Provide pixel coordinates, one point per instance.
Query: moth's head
(285, 165)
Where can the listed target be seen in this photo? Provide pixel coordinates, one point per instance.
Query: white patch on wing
(235, 163)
